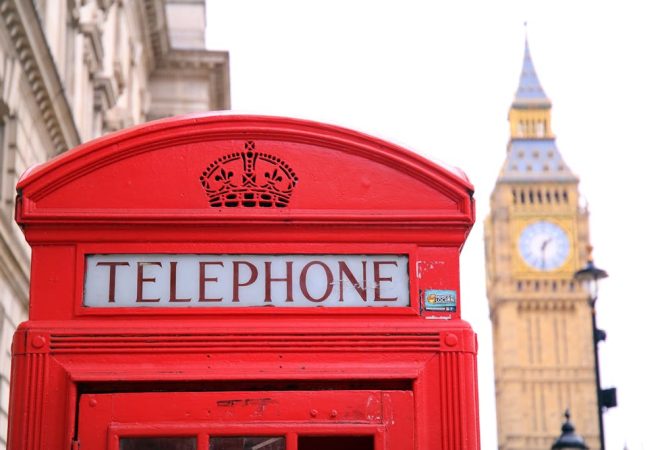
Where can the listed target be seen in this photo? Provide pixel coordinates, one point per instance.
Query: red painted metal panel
(219, 184)
(153, 173)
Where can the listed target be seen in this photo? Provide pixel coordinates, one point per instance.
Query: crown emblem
(248, 179)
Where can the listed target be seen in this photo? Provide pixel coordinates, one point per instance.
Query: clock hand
(543, 252)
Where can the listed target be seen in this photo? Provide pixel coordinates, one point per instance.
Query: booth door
(257, 420)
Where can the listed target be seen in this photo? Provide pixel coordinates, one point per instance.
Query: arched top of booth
(219, 168)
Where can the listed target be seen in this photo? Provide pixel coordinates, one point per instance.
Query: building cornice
(194, 59)
(214, 63)
(94, 56)
(40, 70)
(164, 57)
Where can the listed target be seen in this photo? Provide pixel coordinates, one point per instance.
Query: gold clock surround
(520, 268)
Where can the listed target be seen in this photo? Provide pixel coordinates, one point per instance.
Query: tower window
(513, 194)
(540, 129)
(548, 196)
(531, 197)
(565, 196)
(539, 197)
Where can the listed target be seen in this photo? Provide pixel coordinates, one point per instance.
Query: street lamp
(606, 398)
(569, 439)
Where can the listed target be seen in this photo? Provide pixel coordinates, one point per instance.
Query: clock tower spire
(536, 237)
(530, 111)
(531, 152)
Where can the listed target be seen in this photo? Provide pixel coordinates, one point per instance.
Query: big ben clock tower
(536, 237)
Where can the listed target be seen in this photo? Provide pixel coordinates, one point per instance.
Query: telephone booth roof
(173, 171)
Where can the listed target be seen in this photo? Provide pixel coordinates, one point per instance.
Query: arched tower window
(540, 129)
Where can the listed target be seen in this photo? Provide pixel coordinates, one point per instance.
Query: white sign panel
(181, 281)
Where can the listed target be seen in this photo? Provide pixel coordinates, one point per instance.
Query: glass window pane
(247, 443)
(159, 443)
(336, 442)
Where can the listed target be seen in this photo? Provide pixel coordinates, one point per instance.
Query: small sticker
(440, 300)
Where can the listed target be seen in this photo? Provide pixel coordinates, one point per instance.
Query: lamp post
(569, 439)
(590, 275)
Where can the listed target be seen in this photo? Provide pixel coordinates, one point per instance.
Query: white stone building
(72, 70)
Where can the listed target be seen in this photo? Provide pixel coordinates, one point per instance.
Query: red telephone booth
(230, 282)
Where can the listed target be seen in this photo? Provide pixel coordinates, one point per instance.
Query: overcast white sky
(438, 77)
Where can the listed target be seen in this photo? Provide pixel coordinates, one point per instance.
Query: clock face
(544, 245)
